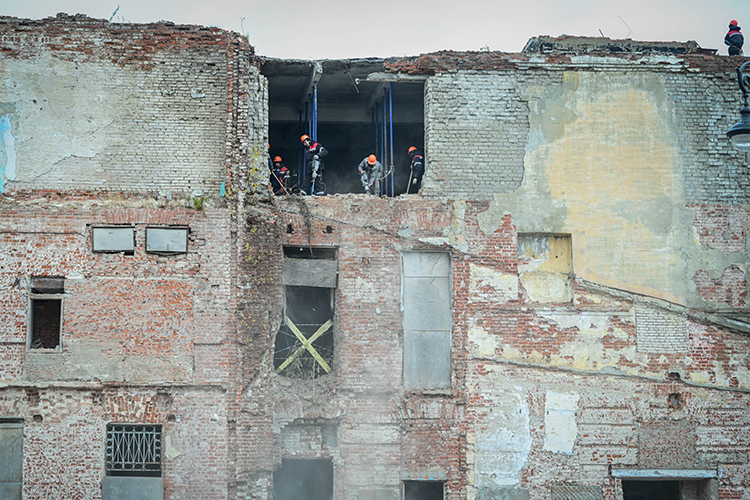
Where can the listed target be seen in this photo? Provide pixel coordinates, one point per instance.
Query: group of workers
(370, 171)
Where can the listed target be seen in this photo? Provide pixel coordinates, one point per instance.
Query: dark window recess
(46, 312)
(304, 343)
(423, 490)
(133, 450)
(308, 479)
(651, 490)
(310, 253)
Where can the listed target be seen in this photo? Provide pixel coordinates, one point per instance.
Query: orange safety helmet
(371, 159)
(302, 139)
(277, 159)
(411, 149)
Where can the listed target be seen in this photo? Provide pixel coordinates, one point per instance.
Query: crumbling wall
(92, 105)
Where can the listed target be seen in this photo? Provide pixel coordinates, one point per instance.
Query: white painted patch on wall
(503, 448)
(560, 427)
(7, 153)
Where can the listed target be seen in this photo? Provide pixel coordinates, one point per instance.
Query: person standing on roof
(734, 39)
(370, 170)
(313, 181)
(279, 177)
(417, 170)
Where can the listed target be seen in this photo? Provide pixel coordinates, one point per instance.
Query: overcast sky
(326, 29)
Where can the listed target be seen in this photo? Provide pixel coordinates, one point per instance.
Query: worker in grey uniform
(370, 170)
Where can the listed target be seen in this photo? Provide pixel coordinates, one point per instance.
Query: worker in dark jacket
(279, 177)
(313, 181)
(417, 170)
(734, 39)
(370, 171)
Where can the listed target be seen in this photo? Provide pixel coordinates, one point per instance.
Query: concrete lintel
(664, 474)
(395, 77)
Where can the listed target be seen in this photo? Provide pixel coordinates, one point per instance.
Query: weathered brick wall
(92, 105)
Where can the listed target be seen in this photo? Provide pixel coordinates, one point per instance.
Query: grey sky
(318, 29)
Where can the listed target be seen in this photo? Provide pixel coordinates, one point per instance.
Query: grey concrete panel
(10, 491)
(422, 264)
(113, 239)
(427, 360)
(132, 488)
(166, 239)
(11, 454)
(310, 272)
(427, 304)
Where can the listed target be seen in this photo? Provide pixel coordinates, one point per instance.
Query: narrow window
(166, 240)
(426, 302)
(423, 490)
(11, 458)
(113, 239)
(45, 315)
(304, 342)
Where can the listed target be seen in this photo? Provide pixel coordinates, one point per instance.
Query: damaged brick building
(560, 313)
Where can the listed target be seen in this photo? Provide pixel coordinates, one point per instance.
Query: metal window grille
(133, 450)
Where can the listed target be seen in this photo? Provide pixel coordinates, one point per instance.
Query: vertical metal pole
(383, 144)
(314, 134)
(390, 116)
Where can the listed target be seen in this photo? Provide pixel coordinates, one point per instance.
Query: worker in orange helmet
(313, 180)
(279, 177)
(417, 170)
(370, 170)
(734, 39)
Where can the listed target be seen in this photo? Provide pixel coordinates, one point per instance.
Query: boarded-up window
(45, 315)
(304, 342)
(113, 239)
(423, 490)
(11, 458)
(426, 302)
(545, 266)
(166, 240)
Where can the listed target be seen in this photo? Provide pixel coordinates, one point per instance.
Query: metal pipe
(390, 117)
(384, 139)
(315, 114)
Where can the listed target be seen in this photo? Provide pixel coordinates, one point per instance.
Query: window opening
(45, 312)
(423, 490)
(651, 490)
(299, 478)
(351, 108)
(11, 458)
(133, 450)
(304, 342)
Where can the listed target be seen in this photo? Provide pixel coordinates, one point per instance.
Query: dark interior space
(350, 118)
(651, 490)
(423, 490)
(45, 323)
(310, 253)
(299, 479)
(308, 308)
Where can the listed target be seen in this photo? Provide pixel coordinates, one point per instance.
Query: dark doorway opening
(299, 479)
(423, 490)
(651, 490)
(356, 117)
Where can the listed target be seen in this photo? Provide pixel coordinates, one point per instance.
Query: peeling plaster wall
(615, 158)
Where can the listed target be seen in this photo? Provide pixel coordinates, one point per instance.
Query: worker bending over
(279, 177)
(313, 181)
(417, 170)
(370, 170)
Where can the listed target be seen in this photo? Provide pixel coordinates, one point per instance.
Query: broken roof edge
(581, 44)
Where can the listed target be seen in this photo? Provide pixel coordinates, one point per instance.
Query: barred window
(133, 450)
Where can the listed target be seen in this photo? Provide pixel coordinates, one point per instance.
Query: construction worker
(417, 170)
(279, 177)
(313, 181)
(370, 171)
(734, 39)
